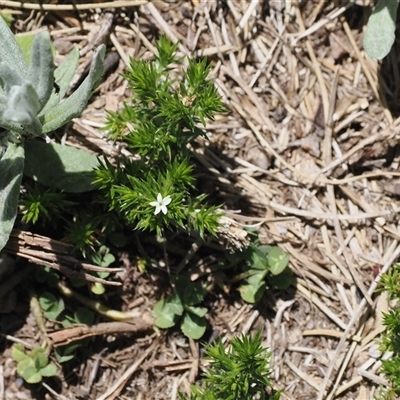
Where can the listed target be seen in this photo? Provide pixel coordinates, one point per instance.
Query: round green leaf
(84, 316)
(278, 260)
(163, 315)
(193, 326)
(49, 370)
(31, 375)
(18, 352)
(252, 293)
(40, 357)
(256, 278)
(281, 281)
(98, 288)
(257, 259)
(52, 307)
(193, 294)
(25, 364)
(174, 304)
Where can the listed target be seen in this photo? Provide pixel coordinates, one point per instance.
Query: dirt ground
(308, 152)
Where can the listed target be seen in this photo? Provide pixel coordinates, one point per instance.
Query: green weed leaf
(193, 326)
(257, 259)
(193, 294)
(283, 280)
(18, 352)
(97, 288)
(164, 315)
(199, 311)
(252, 293)
(380, 33)
(65, 72)
(64, 167)
(25, 44)
(38, 354)
(41, 68)
(256, 278)
(84, 316)
(52, 307)
(49, 370)
(66, 353)
(278, 260)
(30, 374)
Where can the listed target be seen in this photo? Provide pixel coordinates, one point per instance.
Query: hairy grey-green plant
(381, 28)
(31, 107)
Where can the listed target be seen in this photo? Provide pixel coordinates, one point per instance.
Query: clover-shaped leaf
(193, 326)
(18, 353)
(52, 307)
(278, 260)
(193, 294)
(165, 312)
(252, 293)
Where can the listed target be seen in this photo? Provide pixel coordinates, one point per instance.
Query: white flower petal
(166, 200)
(157, 210)
(161, 204)
(164, 209)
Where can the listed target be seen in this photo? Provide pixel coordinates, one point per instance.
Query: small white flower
(161, 204)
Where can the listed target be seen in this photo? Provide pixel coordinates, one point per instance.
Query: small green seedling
(240, 371)
(183, 306)
(51, 306)
(33, 366)
(261, 264)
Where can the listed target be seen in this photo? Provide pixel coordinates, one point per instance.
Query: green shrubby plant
(155, 187)
(239, 372)
(389, 342)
